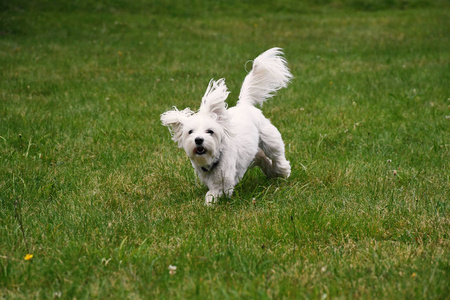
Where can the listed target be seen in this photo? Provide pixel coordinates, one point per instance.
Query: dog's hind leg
(265, 163)
(271, 158)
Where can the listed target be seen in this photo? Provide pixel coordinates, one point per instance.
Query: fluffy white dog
(222, 143)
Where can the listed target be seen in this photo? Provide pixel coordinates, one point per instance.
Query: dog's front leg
(216, 190)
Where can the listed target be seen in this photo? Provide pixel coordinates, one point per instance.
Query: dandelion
(413, 275)
(120, 53)
(323, 269)
(28, 257)
(172, 270)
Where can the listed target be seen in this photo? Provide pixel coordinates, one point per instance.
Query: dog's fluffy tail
(269, 74)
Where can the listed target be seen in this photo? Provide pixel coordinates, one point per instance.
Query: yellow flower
(120, 53)
(413, 275)
(28, 257)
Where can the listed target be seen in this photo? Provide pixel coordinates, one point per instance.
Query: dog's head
(201, 134)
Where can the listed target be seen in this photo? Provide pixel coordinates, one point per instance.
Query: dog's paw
(286, 173)
(282, 168)
(229, 192)
(210, 199)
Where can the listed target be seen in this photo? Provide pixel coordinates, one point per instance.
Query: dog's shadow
(255, 186)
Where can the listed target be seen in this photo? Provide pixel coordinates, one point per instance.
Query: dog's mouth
(200, 150)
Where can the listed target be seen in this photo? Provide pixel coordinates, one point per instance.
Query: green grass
(92, 185)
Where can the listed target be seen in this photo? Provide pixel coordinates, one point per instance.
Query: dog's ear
(213, 102)
(174, 120)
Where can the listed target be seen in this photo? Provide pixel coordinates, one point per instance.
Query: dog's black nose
(198, 140)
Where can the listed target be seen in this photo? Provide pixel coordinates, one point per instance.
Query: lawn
(95, 191)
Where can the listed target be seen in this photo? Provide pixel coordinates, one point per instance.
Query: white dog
(222, 143)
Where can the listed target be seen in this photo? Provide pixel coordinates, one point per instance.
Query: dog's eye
(191, 131)
(209, 131)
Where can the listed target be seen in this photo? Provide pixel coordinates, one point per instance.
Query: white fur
(222, 143)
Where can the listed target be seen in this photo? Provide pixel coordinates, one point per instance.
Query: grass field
(92, 186)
